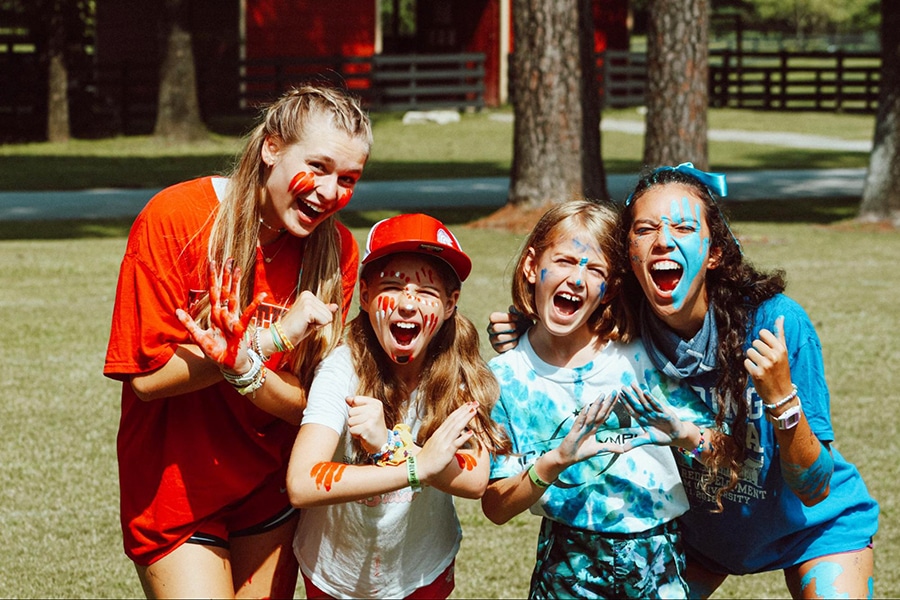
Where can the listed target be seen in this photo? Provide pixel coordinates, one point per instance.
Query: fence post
(839, 81)
(784, 78)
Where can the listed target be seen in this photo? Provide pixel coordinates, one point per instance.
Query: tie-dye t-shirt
(609, 493)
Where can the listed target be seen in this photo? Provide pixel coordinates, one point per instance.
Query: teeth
(665, 265)
(314, 208)
(406, 325)
(569, 297)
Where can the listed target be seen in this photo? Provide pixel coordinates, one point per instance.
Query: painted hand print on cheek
(327, 474)
(302, 184)
(344, 198)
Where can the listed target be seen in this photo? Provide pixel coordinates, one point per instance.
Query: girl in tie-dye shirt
(608, 517)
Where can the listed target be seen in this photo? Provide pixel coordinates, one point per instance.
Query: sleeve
(349, 266)
(808, 373)
(333, 382)
(506, 465)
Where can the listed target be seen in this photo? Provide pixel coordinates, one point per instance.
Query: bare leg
(844, 575)
(189, 571)
(264, 565)
(701, 582)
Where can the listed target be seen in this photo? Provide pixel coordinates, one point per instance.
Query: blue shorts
(577, 563)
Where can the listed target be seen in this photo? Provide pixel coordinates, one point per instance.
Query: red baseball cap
(420, 234)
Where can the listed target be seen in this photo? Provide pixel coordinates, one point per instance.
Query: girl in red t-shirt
(226, 301)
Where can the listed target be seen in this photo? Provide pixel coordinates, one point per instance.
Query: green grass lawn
(480, 145)
(59, 532)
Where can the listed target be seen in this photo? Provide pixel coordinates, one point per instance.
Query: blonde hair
(454, 372)
(236, 227)
(610, 320)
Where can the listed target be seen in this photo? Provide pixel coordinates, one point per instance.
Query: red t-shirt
(182, 459)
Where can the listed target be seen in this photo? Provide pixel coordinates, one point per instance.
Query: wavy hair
(735, 289)
(610, 320)
(454, 371)
(235, 229)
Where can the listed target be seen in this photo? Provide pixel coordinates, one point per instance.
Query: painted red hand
(327, 474)
(466, 461)
(227, 323)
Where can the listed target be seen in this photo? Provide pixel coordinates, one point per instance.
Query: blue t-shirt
(609, 493)
(764, 526)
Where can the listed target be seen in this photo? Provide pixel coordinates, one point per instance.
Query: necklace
(269, 259)
(270, 228)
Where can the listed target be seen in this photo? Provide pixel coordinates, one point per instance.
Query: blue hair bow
(714, 182)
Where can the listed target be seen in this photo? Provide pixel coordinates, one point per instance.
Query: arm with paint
(505, 498)
(806, 463)
(315, 479)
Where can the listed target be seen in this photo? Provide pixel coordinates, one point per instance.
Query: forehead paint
(824, 575)
(302, 183)
(692, 246)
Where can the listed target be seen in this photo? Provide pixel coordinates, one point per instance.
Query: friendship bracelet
(255, 385)
(254, 343)
(245, 379)
(412, 474)
(536, 479)
(397, 447)
(697, 452)
(288, 345)
(276, 339)
(783, 401)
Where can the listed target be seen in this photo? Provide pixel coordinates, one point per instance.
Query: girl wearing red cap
(397, 423)
(209, 413)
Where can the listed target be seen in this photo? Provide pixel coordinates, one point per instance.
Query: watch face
(788, 419)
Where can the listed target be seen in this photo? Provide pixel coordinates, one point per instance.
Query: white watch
(788, 419)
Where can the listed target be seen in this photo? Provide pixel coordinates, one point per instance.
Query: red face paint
(344, 198)
(326, 474)
(302, 184)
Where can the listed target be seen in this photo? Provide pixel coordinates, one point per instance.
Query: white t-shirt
(382, 547)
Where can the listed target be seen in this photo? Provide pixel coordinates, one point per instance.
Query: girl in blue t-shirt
(778, 494)
(608, 526)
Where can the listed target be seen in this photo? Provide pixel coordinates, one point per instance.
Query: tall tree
(556, 136)
(178, 115)
(58, 129)
(881, 192)
(677, 82)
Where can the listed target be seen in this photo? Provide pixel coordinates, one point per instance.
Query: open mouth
(666, 274)
(404, 333)
(567, 304)
(310, 211)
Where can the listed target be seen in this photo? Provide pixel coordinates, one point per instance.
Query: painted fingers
(444, 444)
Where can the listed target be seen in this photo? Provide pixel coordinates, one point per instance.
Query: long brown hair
(236, 227)
(610, 320)
(454, 371)
(735, 290)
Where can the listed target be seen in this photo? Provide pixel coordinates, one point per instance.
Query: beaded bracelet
(242, 381)
(397, 448)
(254, 343)
(255, 385)
(412, 474)
(536, 479)
(697, 452)
(783, 401)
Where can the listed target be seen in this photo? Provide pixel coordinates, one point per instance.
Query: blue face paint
(543, 274)
(692, 247)
(824, 576)
(581, 265)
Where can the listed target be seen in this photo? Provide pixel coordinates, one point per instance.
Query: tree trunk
(178, 114)
(58, 129)
(556, 137)
(881, 192)
(677, 83)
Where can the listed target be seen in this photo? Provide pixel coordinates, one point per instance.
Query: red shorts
(438, 589)
(265, 509)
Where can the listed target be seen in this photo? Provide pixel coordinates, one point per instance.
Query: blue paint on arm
(810, 483)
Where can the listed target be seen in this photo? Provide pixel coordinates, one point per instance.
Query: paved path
(430, 193)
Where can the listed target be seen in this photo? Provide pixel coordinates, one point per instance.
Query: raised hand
(505, 329)
(581, 442)
(365, 422)
(768, 365)
(661, 424)
(445, 442)
(223, 340)
(306, 315)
